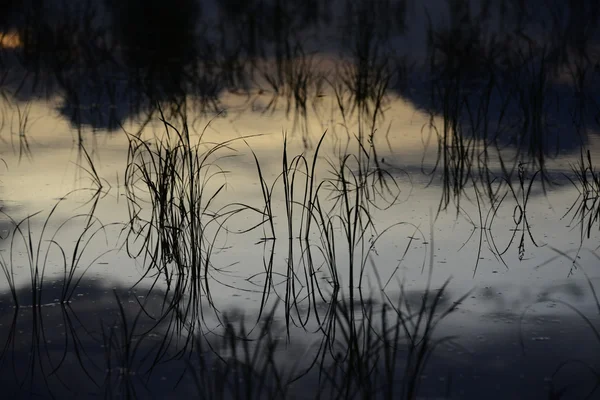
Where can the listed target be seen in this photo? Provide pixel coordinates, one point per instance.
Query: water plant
(586, 207)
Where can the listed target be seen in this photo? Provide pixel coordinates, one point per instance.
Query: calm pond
(393, 199)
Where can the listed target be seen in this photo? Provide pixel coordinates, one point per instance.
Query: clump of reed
(375, 349)
(38, 251)
(176, 235)
(586, 207)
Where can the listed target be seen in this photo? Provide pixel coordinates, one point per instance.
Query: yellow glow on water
(10, 40)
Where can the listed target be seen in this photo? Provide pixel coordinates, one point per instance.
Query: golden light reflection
(10, 40)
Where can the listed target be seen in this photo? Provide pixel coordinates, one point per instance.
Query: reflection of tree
(159, 51)
(8, 10)
(504, 86)
(157, 38)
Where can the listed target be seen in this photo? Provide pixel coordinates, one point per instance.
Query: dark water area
(117, 342)
(281, 199)
(117, 59)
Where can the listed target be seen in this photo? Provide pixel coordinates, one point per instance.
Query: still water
(161, 195)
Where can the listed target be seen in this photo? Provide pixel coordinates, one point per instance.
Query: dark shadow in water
(506, 91)
(114, 59)
(513, 83)
(517, 86)
(110, 61)
(87, 349)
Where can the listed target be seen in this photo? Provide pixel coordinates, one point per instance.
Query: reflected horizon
(401, 196)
